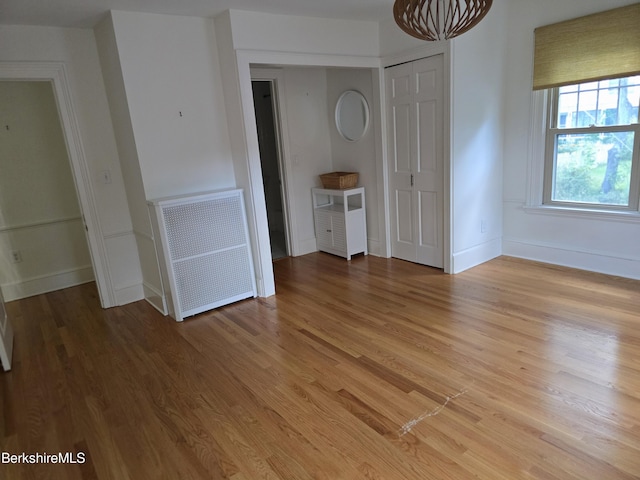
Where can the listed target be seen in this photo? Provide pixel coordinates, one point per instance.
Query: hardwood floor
(369, 369)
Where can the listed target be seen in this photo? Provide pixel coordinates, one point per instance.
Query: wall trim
(609, 263)
(416, 53)
(582, 213)
(41, 223)
(124, 233)
(129, 294)
(146, 236)
(155, 298)
(382, 170)
(476, 255)
(55, 72)
(283, 146)
(295, 59)
(37, 285)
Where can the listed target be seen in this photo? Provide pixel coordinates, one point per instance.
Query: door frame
(247, 157)
(55, 73)
(429, 50)
(275, 78)
(415, 250)
(6, 337)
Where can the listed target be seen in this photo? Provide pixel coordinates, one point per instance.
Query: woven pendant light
(434, 20)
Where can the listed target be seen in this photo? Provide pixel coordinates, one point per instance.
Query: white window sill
(609, 215)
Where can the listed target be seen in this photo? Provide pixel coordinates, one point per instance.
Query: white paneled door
(415, 96)
(6, 337)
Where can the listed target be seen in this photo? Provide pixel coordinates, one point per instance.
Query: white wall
(357, 156)
(309, 145)
(478, 80)
(39, 213)
(174, 91)
(607, 245)
(394, 41)
(129, 161)
(307, 35)
(76, 49)
(165, 91)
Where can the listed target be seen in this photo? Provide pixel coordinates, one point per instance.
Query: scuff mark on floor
(407, 427)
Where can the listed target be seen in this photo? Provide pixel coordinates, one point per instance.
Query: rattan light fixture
(439, 19)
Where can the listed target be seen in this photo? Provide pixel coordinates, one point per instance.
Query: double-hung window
(593, 144)
(589, 69)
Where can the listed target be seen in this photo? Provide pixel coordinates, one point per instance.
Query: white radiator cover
(203, 248)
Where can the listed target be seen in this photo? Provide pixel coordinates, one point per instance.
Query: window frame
(550, 131)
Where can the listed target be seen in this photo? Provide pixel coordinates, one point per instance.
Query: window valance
(595, 47)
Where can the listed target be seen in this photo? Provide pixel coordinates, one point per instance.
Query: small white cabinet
(340, 221)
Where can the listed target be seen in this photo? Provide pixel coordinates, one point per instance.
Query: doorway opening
(42, 233)
(264, 95)
(54, 73)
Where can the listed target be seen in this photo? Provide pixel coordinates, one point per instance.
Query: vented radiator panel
(205, 250)
(189, 226)
(212, 279)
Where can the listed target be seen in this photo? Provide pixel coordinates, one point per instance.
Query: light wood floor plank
(369, 369)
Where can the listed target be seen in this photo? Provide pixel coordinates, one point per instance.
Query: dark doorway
(263, 100)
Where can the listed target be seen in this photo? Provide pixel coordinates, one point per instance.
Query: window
(592, 145)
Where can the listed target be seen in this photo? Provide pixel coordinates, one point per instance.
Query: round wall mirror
(352, 115)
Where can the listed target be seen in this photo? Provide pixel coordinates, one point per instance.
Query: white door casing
(55, 72)
(415, 96)
(6, 337)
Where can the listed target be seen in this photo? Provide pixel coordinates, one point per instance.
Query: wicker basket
(339, 180)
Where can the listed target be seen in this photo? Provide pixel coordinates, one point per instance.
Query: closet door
(415, 96)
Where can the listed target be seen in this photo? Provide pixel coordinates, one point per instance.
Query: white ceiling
(86, 13)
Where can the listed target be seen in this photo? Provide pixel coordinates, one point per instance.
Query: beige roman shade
(598, 46)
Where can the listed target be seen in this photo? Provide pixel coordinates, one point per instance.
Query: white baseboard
(47, 283)
(595, 261)
(473, 256)
(155, 298)
(129, 294)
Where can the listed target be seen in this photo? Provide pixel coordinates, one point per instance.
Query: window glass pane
(587, 106)
(609, 83)
(568, 89)
(567, 108)
(588, 86)
(607, 107)
(607, 102)
(593, 168)
(629, 103)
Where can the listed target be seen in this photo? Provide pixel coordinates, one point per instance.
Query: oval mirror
(352, 115)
